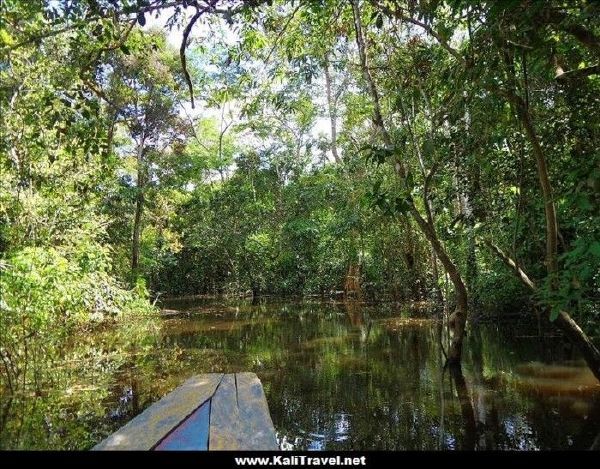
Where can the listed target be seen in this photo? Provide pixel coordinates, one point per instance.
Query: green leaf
(594, 248)
(583, 202)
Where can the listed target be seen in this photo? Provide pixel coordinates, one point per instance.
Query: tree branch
(364, 62)
(186, 34)
(428, 29)
(39, 37)
(578, 73)
(512, 264)
(285, 26)
(559, 20)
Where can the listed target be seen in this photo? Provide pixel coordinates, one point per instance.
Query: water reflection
(336, 376)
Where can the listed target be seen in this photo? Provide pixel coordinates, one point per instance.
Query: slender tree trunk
(332, 107)
(424, 174)
(458, 319)
(139, 207)
(255, 292)
(472, 273)
(110, 136)
(223, 128)
(590, 352)
(466, 198)
(466, 211)
(362, 50)
(546, 187)
(221, 157)
(409, 259)
(352, 283)
(137, 226)
(436, 278)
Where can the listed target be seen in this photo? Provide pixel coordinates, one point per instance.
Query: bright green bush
(48, 285)
(48, 296)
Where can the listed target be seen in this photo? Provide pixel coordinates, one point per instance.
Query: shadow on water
(336, 376)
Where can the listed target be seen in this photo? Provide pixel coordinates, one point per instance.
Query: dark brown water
(336, 377)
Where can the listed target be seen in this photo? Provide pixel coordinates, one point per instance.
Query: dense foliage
(439, 150)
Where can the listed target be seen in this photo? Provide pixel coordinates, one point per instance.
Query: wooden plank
(192, 434)
(224, 417)
(240, 418)
(257, 431)
(149, 427)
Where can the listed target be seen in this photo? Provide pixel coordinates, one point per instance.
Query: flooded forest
(389, 210)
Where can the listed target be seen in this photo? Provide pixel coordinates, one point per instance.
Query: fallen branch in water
(563, 321)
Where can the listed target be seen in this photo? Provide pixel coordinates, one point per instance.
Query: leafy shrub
(47, 293)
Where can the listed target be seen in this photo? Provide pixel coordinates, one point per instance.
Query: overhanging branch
(512, 264)
(186, 34)
(399, 14)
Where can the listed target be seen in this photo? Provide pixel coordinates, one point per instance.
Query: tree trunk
(458, 319)
(546, 187)
(362, 50)
(436, 278)
(255, 293)
(590, 352)
(110, 137)
(332, 107)
(352, 283)
(139, 208)
(466, 200)
(137, 226)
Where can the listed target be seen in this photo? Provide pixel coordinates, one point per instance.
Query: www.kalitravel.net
(302, 461)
